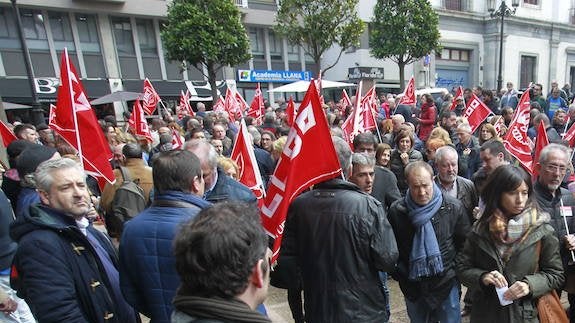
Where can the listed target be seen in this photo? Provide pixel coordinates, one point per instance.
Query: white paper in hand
(500, 292)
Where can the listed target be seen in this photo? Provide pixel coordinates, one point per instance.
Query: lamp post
(501, 12)
(37, 112)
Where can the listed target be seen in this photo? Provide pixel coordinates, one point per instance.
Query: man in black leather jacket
(340, 239)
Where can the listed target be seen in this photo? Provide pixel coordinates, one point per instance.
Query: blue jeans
(447, 312)
(383, 279)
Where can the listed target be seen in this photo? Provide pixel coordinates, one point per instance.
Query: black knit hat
(15, 148)
(33, 156)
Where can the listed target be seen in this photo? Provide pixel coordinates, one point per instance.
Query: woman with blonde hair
(230, 167)
(439, 132)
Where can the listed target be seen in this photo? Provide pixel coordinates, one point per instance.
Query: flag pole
(373, 116)
(565, 130)
(566, 226)
(78, 142)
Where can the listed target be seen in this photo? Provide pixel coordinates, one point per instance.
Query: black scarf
(232, 310)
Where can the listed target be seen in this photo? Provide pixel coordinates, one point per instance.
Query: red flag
(177, 142)
(7, 134)
(150, 98)
(570, 135)
(219, 106)
(184, 105)
(138, 122)
(476, 112)
(345, 101)
(243, 154)
(242, 104)
(408, 97)
(541, 142)
(257, 107)
(458, 95)
(308, 158)
(75, 121)
(291, 112)
(368, 108)
(353, 124)
(516, 140)
(231, 105)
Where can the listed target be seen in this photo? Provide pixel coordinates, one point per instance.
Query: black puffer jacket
(341, 239)
(451, 225)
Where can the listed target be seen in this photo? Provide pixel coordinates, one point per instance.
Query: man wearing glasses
(558, 202)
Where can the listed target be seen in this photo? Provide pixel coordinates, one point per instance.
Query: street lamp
(502, 11)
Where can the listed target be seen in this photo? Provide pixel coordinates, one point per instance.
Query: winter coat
(7, 246)
(148, 274)
(227, 188)
(385, 187)
(468, 164)
(398, 168)
(57, 271)
(427, 118)
(451, 225)
(466, 193)
(341, 240)
(480, 257)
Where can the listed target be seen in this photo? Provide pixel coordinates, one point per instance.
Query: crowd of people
(423, 200)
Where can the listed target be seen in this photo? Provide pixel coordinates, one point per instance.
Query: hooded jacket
(58, 272)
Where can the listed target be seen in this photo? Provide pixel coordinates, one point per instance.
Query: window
(88, 33)
(453, 5)
(61, 30)
(293, 52)
(256, 42)
(528, 70)
(123, 36)
(275, 45)
(8, 31)
(453, 54)
(147, 38)
(531, 2)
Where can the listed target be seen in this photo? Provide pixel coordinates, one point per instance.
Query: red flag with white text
(570, 135)
(76, 122)
(7, 134)
(308, 158)
(219, 106)
(257, 107)
(138, 122)
(344, 102)
(232, 106)
(476, 112)
(184, 107)
(177, 142)
(353, 125)
(150, 98)
(540, 143)
(242, 104)
(368, 110)
(458, 95)
(243, 154)
(408, 97)
(516, 140)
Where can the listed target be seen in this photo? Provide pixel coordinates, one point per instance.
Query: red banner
(290, 112)
(476, 112)
(184, 105)
(458, 95)
(138, 124)
(7, 134)
(516, 140)
(308, 158)
(570, 135)
(257, 108)
(542, 141)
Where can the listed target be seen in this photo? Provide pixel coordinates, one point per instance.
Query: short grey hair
(256, 135)
(362, 159)
(43, 175)
(544, 156)
(204, 150)
(343, 152)
(443, 151)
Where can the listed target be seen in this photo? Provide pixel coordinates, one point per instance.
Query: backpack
(127, 203)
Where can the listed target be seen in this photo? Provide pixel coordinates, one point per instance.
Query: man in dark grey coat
(340, 239)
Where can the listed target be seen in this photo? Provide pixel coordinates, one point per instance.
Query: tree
(206, 33)
(404, 31)
(317, 25)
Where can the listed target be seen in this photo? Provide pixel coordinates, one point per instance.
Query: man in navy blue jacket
(148, 274)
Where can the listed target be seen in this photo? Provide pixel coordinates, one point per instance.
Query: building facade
(115, 44)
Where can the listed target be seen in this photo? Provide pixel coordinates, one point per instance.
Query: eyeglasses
(552, 168)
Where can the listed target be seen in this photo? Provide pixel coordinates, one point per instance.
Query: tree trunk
(212, 81)
(401, 65)
(317, 69)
